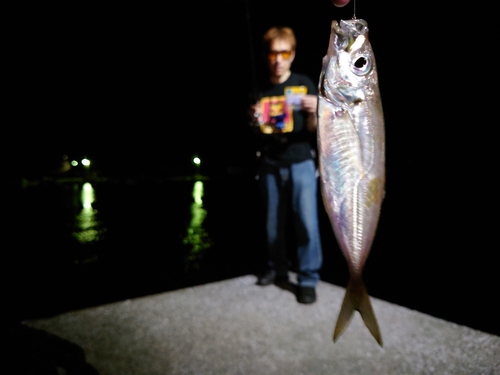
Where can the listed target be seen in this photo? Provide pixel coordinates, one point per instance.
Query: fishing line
(253, 70)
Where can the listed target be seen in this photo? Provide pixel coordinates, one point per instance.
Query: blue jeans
(292, 190)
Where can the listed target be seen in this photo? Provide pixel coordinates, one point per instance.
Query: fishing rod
(253, 69)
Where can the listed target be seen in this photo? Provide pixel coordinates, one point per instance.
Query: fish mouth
(347, 32)
(350, 28)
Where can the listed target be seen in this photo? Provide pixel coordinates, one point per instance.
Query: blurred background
(108, 103)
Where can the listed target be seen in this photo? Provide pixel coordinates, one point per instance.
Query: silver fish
(351, 148)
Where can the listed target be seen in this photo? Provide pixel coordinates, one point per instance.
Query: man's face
(280, 57)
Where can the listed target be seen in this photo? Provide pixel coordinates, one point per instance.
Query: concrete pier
(237, 327)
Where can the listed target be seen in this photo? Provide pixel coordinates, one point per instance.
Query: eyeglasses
(273, 55)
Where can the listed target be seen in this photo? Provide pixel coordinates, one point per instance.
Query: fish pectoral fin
(357, 298)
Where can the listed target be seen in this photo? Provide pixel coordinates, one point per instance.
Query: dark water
(73, 245)
(84, 244)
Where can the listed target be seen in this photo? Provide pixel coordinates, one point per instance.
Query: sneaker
(267, 278)
(270, 277)
(306, 295)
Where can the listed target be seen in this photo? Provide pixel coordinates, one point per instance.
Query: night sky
(158, 81)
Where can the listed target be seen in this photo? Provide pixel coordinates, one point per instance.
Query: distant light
(74, 163)
(86, 162)
(196, 160)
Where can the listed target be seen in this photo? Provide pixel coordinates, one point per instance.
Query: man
(287, 121)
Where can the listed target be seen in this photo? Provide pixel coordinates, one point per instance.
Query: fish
(351, 158)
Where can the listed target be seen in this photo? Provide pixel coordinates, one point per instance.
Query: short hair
(279, 32)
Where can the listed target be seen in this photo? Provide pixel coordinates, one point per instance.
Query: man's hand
(253, 110)
(310, 103)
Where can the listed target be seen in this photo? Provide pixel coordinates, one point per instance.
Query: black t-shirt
(283, 136)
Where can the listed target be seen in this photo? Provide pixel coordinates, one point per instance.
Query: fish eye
(361, 65)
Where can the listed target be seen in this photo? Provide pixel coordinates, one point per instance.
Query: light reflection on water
(87, 227)
(197, 238)
(170, 229)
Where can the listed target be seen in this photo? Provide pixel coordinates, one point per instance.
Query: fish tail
(357, 298)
